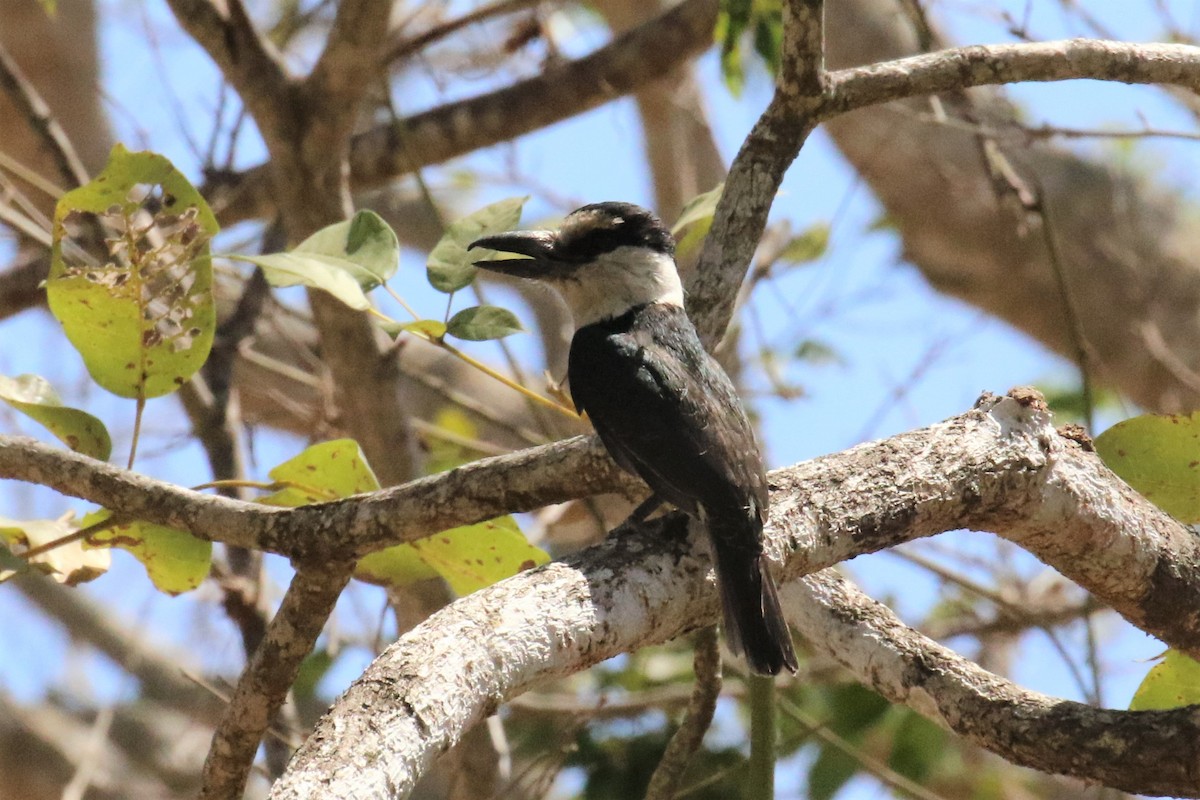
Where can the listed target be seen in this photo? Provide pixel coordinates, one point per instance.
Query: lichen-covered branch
(1001, 467)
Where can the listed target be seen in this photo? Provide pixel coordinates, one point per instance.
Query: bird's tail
(754, 622)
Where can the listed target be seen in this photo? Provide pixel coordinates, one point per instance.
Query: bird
(663, 407)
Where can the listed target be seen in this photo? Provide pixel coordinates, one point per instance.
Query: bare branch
(664, 783)
(247, 60)
(523, 481)
(1139, 752)
(961, 68)
(758, 169)
(384, 153)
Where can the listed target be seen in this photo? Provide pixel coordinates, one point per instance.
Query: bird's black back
(667, 412)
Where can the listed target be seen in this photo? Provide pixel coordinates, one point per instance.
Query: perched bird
(663, 407)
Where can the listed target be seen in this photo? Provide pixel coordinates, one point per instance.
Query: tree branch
(269, 676)
(523, 481)
(247, 60)
(387, 152)
(794, 110)
(1001, 467)
(758, 169)
(1148, 752)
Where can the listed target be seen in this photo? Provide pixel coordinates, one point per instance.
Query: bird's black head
(603, 227)
(587, 234)
(604, 260)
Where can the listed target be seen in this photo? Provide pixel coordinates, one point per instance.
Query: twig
(665, 781)
(402, 47)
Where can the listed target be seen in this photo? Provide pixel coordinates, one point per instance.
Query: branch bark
(1001, 467)
(1122, 749)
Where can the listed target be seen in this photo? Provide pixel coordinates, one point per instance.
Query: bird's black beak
(537, 245)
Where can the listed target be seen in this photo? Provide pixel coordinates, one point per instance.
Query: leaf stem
(486, 370)
(137, 428)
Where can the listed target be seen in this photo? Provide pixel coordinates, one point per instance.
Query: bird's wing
(651, 393)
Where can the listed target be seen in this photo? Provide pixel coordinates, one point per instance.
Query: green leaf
(10, 565)
(175, 561)
(695, 221)
(699, 208)
(733, 19)
(830, 771)
(70, 563)
(469, 558)
(345, 259)
(450, 267)
(1159, 455)
(808, 246)
(819, 353)
(1171, 683)
(312, 669)
(483, 323)
(324, 471)
(33, 396)
(144, 320)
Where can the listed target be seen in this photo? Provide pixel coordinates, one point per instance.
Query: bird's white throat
(620, 280)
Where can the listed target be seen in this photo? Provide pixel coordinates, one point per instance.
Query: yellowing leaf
(144, 319)
(469, 558)
(695, 221)
(175, 561)
(324, 471)
(1159, 455)
(70, 563)
(1171, 683)
(35, 397)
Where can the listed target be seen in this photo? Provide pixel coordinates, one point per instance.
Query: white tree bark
(1001, 467)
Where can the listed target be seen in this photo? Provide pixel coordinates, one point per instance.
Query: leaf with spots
(469, 558)
(71, 563)
(34, 397)
(450, 267)
(1159, 455)
(324, 471)
(345, 259)
(142, 315)
(1171, 683)
(175, 561)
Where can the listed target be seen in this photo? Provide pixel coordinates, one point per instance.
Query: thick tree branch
(1139, 752)
(1001, 467)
